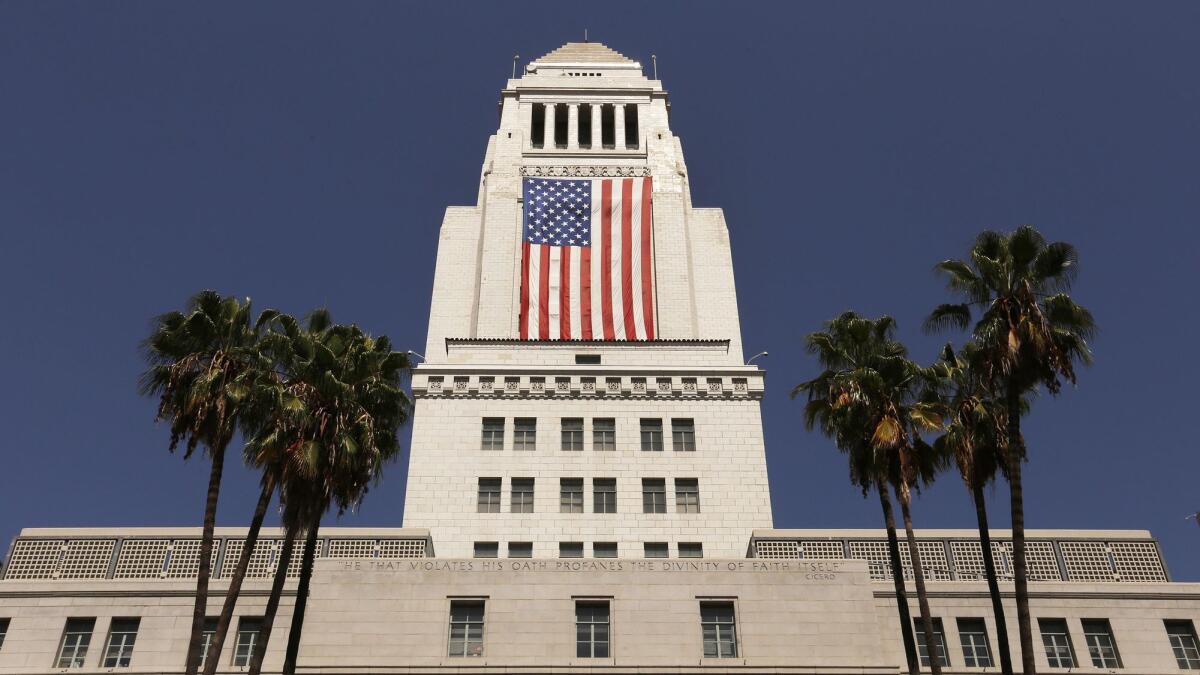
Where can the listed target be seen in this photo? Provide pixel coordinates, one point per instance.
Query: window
(493, 433)
(520, 549)
(591, 629)
(570, 495)
(1101, 644)
(654, 495)
(1182, 634)
(206, 638)
(3, 631)
(466, 628)
(683, 435)
(604, 549)
(560, 125)
(604, 434)
(687, 495)
(1057, 642)
(572, 434)
(570, 549)
(652, 438)
(585, 128)
(608, 130)
(122, 633)
(631, 125)
(524, 433)
(489, 495)
(691, 549)
(487, 549)
(655, 549)
(587, 359)
(77, 635)
(939, 639)
(604, 495)
(522, 495)
(247, 640)
(719, 629)
(972, 635)
(537, 135)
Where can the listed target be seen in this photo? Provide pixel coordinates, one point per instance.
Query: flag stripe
(606, 289)
(585, 291)
(543, 293)
(564, 282)
(647, 276)
(574, 321)
(635, 259)
(535, 259)
(627, 256)
(525, 290)
(554, 307)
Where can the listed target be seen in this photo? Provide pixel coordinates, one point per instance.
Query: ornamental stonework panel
(586, 171)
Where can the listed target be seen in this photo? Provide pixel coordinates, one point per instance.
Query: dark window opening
(587, 359)
(631, 126)
(585, 126)
(537, 135)
(608, 129)
(560, 125)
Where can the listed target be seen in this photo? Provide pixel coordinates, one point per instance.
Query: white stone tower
(495, 414)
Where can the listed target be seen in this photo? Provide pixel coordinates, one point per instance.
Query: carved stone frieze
(585, 171)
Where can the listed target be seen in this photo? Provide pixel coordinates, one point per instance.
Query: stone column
(573, 126)
(527, 124)
(619, 125)
(596, 145)
(548, 134)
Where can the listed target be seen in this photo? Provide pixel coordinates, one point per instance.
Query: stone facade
(697, 582)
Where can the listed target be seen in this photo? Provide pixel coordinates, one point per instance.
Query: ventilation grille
(777, 549)
(1138, 561)
(142, 559)
(150, 558)
(35, 559)
(185, 558)
(823, 549)
(1087, 561)
(968, 560)
(402, 548)
(1040, 559)
(1062, 560)
(353, 548)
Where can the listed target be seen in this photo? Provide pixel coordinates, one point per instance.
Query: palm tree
(239, 574)
(975, 437)
(1030, 334)
(917, 463)
(344, 407)
(202, 363)
(865, 401)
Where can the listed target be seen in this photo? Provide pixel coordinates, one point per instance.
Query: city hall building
(587, 488)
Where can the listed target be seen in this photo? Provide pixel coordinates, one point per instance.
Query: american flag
(586, 260)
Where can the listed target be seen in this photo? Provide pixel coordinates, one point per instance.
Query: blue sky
(302, 155)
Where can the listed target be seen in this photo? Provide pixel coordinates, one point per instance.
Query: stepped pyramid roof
(585, 52)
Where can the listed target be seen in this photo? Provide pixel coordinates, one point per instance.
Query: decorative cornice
(585, 171)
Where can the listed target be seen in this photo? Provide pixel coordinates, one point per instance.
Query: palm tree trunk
(264, 636)
(935, 664)
(989, 569)
(910, 646)
(192, 662)
(1016, 456)
(310, 553)
(239, 574)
